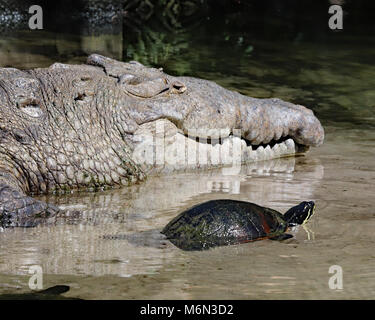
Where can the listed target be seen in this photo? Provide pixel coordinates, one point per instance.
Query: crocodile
(98, 124)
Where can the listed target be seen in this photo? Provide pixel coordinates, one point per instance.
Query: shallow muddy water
(335, 78)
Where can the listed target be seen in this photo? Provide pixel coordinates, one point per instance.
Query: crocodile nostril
(23, 102)
(30, 106)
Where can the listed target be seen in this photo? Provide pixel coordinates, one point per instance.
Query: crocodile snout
(267, 121)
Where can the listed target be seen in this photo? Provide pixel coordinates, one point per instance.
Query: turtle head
(300, 213)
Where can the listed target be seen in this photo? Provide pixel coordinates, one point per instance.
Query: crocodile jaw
(159, 146)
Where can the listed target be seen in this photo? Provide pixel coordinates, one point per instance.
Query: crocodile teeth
(291, 147)
(276, 150)
(260, 153)
(283, 148)
(268, 152)
(181, 152)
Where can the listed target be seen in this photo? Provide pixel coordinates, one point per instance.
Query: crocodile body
(79, 126)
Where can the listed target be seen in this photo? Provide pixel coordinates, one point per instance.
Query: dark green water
(332, 73)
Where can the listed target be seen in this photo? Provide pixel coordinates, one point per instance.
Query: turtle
(225, 222)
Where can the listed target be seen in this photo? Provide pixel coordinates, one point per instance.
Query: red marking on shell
(265, 225)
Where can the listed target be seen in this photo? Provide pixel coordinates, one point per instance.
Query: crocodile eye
(179, 87)
(126, 78)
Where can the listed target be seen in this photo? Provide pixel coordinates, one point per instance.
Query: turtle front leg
(19, 210)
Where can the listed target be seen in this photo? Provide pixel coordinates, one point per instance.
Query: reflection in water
(27, 50)
(83, 247)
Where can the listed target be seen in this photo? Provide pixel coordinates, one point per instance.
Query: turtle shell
(223, 222)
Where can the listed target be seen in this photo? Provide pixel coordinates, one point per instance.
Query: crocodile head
(109, 122)
(182, 122)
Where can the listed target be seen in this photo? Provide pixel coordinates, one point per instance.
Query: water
(334, 75)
